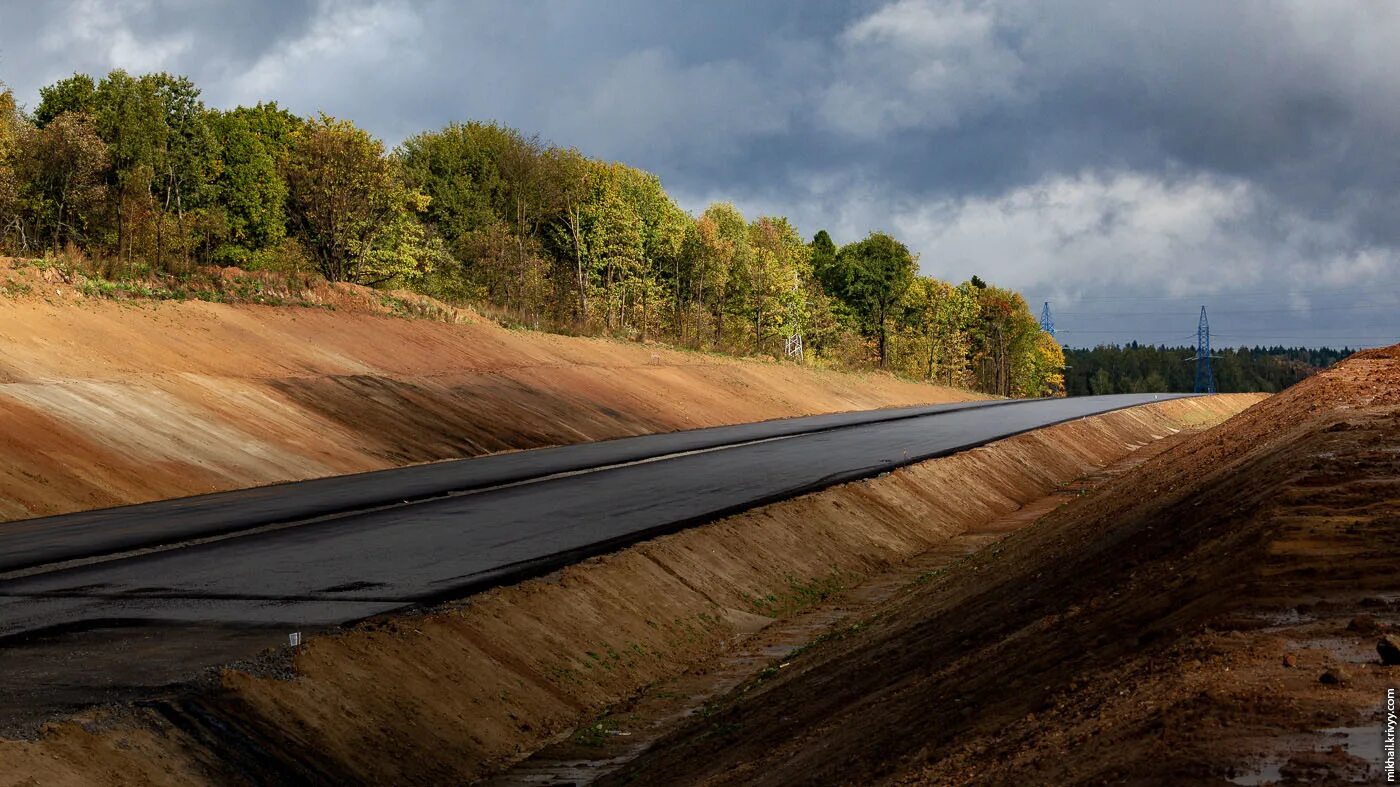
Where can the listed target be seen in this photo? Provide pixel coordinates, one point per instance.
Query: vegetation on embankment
(136, 176)
(111, 398)
(453, 693)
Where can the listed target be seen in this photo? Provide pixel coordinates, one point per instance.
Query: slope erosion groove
(1213, 616)
(106, 403)
(457, 692)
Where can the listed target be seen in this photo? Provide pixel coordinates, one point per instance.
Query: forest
(1142, 368)
(134, 176)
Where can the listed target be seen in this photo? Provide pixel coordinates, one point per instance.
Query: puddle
(1268, 773)
(1286, 618)
(1350, 650)
(1366, 743)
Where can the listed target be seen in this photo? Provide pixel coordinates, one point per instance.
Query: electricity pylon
(1047, 323)
(1205, 378)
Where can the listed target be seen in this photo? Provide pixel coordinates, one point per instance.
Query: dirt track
(1174, 627)
(108, 402)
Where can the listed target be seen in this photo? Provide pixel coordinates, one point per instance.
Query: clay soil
(1209, 618)
(105, 402)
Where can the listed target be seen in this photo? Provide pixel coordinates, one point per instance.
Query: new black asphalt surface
(361, 551)
(54, 539)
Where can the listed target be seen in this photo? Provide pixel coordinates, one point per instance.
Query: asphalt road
(49, 540)
(320, 553)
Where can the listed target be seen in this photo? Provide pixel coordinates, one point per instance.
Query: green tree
(663, 227)
(76, 93)
(164, 159)
(273, 125)
(1101, 383)
(250, 190)
(771, 281)
(131, 121)
(350, 210)
(188, 165)
(574, 179)
(12, 129)
(1040, 372)
(824, 260)
(457, 168)
(704, 258)
(60, 169)
(1004, 338)
(872, 276)
(720, 252)
(936, 317)
(616, 247)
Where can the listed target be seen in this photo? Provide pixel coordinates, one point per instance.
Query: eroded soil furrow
(605, 743)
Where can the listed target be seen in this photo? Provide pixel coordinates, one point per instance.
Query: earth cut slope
(107, 402)
(1214, 615)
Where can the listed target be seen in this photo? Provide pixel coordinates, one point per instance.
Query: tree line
(1143, 368)
(137, 174)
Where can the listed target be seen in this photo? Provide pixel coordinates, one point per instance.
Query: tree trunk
(882, 336)
(578, 265)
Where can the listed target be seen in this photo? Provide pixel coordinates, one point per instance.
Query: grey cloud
(943, 120)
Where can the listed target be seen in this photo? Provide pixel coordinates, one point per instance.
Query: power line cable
(1294, 310)
(1369, 289)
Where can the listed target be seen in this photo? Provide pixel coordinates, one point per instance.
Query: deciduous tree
(251, 191)
(12, 126)
(350, 209)
(76, 93)
(61, 169)
(872, 275)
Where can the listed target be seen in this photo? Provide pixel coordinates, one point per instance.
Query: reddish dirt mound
(118, 401)
(1212, 615)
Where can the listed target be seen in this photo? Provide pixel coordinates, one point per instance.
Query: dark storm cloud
(1082, 151)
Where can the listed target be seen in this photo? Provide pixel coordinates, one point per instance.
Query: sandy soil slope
(458, 692)
(107, 402)
(1212, 617)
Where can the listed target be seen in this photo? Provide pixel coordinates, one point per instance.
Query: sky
(1127, 160)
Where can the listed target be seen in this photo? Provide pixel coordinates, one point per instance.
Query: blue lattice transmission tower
(1047, 323)
(1205, 378)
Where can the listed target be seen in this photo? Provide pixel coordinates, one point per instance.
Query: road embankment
(459, 691)
(106, 403)
(1228, 612)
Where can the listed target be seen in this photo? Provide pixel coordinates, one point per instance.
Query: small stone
(1289, 660)
(1334, 677)
(1363, 624)
(1389, 649)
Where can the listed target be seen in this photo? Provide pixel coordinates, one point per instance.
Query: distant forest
(1140, 368)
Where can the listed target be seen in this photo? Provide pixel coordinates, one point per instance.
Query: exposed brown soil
(1211, 616)
(107, 402)
(604, 744)
(459, 692)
